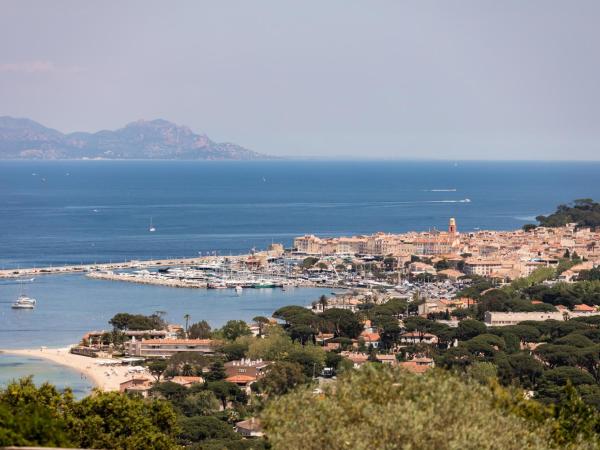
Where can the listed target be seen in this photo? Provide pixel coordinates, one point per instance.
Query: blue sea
(92, 211)
(100, 211)
(13, 367)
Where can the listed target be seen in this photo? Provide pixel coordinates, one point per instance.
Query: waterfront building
(95, 338)
(500, 319)
(168, 347)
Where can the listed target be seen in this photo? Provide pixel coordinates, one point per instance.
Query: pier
(82, 268)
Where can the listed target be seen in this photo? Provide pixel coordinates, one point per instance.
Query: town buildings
(498, 254)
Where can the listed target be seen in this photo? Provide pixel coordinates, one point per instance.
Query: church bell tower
(452, 226)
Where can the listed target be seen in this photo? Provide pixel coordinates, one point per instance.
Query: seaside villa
(168, 347)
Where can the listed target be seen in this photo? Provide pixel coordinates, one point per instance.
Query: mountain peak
(142, 139)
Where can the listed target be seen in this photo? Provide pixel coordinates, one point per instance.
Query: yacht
(24, 302)
(152, 228)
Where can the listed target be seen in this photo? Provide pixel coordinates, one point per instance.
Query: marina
(69, 305)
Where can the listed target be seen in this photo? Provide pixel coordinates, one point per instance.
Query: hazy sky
(329, 78)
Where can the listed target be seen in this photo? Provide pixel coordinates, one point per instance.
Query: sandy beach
(103, 377)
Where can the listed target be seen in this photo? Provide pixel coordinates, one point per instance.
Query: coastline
(103, 378)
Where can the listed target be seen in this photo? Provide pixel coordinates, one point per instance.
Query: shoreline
(103, 378)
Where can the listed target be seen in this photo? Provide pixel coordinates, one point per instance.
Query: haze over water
(93, 211)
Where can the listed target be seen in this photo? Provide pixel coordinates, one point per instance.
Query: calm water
(59, 212)
(14, 367)
(70, 305)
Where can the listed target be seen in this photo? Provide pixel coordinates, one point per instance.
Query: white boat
(152, 228)
(24, 302)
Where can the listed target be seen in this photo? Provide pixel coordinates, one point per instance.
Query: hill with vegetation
(154, 139)
(584, 212)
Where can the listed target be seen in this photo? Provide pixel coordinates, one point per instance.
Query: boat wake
(439, 190)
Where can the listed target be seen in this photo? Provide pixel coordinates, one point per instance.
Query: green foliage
(468, 329)
(590, 275)
(344, 322)
(187, 363)
(226, 392)
(307, 263)
(235, 350)
(234, 329)
(137, 322)
(157, 368)
(216, 372)
(483, 372)
(200, 403)
(200, 330)
(28, 415)
(198, 428)
(168, 390)
(281, 378)
(382, 408)
(584, 212)
(44, 417)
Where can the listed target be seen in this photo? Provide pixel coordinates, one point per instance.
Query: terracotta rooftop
(240, 379)
(179, 341)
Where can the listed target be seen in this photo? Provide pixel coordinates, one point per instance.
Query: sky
(481, 79)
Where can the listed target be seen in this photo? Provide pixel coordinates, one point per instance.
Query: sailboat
(152, 228)
(23, 302)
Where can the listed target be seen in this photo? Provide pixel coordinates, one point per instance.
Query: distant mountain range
(154, 139)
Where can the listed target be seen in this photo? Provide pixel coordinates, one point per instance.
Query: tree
(217, 371)
(468, 329)
(235, 350)
(378, 407)
(323, 301)
(200, 330)
(173, 392)
(525, 368)
(344, 322)
(187, 361)
(561, 376)
(136, 322)
(198, 428)
(233, 329)
(157, 368)
(111, 420)
(200, 403)
(311, 358)
(275, 346)
(226, 392)
(281, 378)
(307, 263)
(44, 417)
(261, 321)
(28, 415)
(483, 372)
(187, 320)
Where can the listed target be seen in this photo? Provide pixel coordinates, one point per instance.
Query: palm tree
(323, 302)
(261, 321)
(187, 320)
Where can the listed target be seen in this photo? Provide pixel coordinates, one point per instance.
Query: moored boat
(24, 302)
